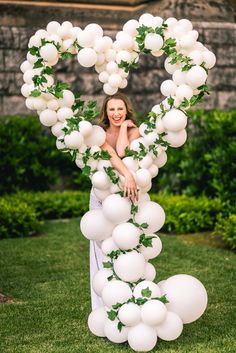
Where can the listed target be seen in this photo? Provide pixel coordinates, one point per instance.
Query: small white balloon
(94, 225)
(153, 312)
(174, 120)
(196, 76)
(130, 267)
(48, 117)
(142, 338)
(176, 138)
(129, 314)
(150, 252)
(108, 245)
(126, 235)
(171, 328)
(87, 57)
(116, 292)
(96, 321)
(153, 287)
(151, 213)
(74, 140)
(113, 333)
(100, 280)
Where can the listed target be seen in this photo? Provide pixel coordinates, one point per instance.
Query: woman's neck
(113, 129)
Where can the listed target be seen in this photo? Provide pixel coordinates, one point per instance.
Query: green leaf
(110, 278)
(141, 301)
(34, 51)
(144, 225)
(86, 170)
(134, 209)
(38, 64)
(120, 325)
(48, 70)
(35, 93)
(112, 314)
(66, 55)
(107, 264)
(116, 306)
(146, 292)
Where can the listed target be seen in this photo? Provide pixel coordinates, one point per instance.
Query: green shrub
(226, 228)
(17, 219)
(188, 214)
(206, 164)
(29, 158)
(55, 205)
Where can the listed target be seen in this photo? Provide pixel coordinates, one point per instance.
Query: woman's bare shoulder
(133, 133)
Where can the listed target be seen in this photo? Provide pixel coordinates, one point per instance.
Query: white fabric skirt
(96, 255)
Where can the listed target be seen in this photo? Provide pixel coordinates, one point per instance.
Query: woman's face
(116, 111)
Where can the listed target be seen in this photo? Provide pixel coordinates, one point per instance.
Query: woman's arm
(130, 187)
(126, 137)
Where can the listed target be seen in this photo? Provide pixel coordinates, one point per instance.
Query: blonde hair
(103, 120)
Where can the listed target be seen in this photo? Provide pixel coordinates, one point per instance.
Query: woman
(117, 119)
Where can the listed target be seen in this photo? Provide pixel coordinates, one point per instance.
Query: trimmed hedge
(226, 227)
(17, 218)
(183, 214)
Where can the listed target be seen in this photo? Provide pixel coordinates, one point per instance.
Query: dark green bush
(206, 164)
(188, 214)
(17, 218)
(226, 228)
(30, 159)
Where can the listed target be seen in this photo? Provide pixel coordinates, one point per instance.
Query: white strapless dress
(96, 255)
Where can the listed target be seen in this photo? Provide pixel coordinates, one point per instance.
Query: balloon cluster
(135, 308)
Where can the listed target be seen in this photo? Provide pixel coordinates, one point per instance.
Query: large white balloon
(97, 137)
(95, 226)
(126, 235)
(142, 338)
(186, 295)
(116, 292)
(171, 328)
(96, 321)
(176, 138)
(174, 120)
(130, 267)
(151, 213)
(117, 208)
(87, 57)
(74, 140)
(100, 180)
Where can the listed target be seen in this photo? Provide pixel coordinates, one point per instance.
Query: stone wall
(144, 83)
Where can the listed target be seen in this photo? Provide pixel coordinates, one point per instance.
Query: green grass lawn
(48, 278)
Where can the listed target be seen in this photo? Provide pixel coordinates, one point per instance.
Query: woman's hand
(130, 188)
(128, 123)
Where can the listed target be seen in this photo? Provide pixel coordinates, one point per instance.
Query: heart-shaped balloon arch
(135, 308)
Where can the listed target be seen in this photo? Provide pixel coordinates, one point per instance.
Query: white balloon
(168, 88)
(97, 137)
(126, 235)
(103, 77)
(129, 314)
(174, 120)
(143, 177)
(150, 138)
(95, 30)
(153, 312)
(52, 27)
(153, 41)
(109, 90)
(151, 213)
(103, 164)
(146, 162)
(64, 113)
(145, 19)
(57, 129)
(196, 76)
(74, 140)
(112, 332)
(108, 245)
(123, 55)
(117, 209)
(209, 58)
(150, 252)
(131, 163)
(114, 80)
(116, 292)
(125, 40)
(85, 127)
(184, 91)
(96, 321)
(187, 41)
(186, 24)
(159, 126)
(100, 180)
(179, 77)
(40, 103)
(87, 57)
(153, 170)
(48, 117)
(67, 100)
(161, 160)
(94, 225)
(130, 267)
(171, 328)
(130, 27)
(53, 104)
(186, 295)
(176, 139)
(142, 338)
(85, 39)
(153, 287)
(101, 194)
(150, 272)
(48, 52)
(100, 280)
(196, 56)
